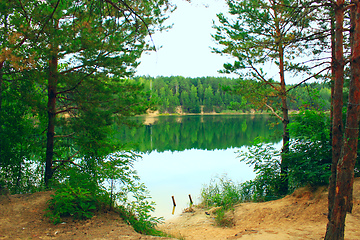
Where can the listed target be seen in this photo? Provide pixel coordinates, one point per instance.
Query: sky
(186, 46)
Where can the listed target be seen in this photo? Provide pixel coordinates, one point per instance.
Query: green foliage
(130, 196)
(310, 125)
(63, 53)
(265, 159)
(110, 182)
(310, 150)
(224, 218)
(77, 203)
(223, 194)
(310, 96)
(56, 93)
(138, 211)
(258, 31)
(307, 162)
(19, 135)
(219, 94)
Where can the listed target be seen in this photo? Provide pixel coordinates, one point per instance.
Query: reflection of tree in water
(198, 132)
(244, 126)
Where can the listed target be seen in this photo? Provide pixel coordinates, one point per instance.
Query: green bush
(221, 192)
(265, 159)
(308, 160)
(224, 194)
(95, 184)
(77, 203)
(137, 208)
(310, 150)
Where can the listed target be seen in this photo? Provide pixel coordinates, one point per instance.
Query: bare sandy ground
(22, 217)
(302, 215)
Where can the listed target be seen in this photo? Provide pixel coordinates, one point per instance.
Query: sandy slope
(22, 217)
(302, 215)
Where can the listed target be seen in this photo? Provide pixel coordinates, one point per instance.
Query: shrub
(265, 159)
(71, 202)
(98, 183)
(221, 192)
(224, 194)
(310, 150)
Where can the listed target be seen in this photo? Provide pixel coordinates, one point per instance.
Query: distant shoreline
(157, 114)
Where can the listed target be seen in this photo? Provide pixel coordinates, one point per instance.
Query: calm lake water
(182, 153)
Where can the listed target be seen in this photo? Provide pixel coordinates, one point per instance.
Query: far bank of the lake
(156, 113)
(151, 115)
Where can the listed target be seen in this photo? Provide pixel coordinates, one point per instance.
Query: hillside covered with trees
(209, 94)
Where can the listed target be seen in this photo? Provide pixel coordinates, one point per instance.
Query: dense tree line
(209, 94)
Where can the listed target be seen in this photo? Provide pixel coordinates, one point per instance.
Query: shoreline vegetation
(227, 112)
(151, 115)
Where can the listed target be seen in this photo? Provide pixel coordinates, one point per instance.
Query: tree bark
(354, 71)
(51, 109)
(345, 167)
(337, 100)
(284, 184)
(284, 187)
(332, 30)
(1, 82)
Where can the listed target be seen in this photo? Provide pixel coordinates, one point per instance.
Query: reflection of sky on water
(179, 174)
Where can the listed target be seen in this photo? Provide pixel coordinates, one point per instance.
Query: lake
(182, 153)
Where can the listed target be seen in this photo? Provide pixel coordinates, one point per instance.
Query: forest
(206, 95)
(67, 79)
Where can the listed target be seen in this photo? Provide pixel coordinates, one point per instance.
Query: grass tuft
(222, 193)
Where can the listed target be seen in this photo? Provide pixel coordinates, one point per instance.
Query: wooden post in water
(174, 205)
(173, 199)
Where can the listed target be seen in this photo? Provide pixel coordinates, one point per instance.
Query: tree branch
(71, 69)
(68, 160)
(307, 79)
(262, 78)
(137, 15)
(66, 110)
(273, 111)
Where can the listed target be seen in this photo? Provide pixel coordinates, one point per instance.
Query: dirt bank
(302, 215)
(22, 217)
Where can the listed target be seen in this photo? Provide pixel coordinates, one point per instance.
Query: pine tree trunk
(346, 164)
(355, 73)
(1, 82)
(337, 100)
(284, 185)
(51, 109)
